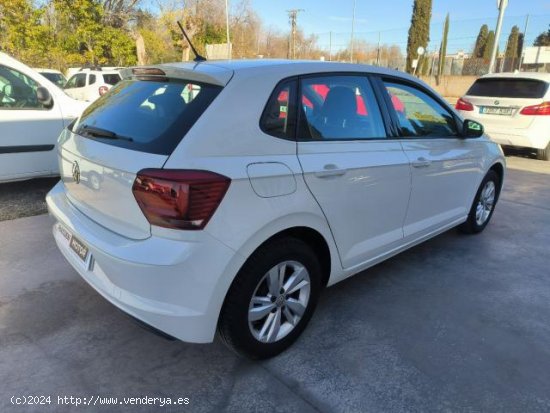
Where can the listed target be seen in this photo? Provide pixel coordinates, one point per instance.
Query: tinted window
(418, 113)
(17, 91)
(56, 78)
(78, 80)
(509, 88)
(147, 116)
(279, 115)
(339, 107)
(91, 79)
(111, 79)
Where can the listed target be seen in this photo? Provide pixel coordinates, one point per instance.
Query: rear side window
(146, 116)
(279, 117)
(91, 80)
(509, 88)
(339, 107)
(111, 79)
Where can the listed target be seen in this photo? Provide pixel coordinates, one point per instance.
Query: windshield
(56, 78)
(147, 116)
(509, 88)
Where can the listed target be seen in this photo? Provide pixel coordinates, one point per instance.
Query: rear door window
(147, 116)
(509, 88)
(339, 107)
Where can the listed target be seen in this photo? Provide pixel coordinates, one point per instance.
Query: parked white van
(33, 112)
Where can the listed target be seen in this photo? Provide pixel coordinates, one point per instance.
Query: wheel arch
(308, 227)
(498, 167)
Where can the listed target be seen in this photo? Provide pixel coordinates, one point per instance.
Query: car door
(28, 130)
(359, 176)
(75, 86)
(90, 91)
(445, 167)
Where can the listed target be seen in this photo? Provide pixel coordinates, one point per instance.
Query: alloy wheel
(279, 301)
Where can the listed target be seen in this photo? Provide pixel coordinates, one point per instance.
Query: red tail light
(103, 90)
(535, 110)
(179, 199)
(462, 104)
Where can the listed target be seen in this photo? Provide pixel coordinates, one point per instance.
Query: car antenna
(198, 57)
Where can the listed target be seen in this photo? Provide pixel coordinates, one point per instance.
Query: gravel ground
(24, 198)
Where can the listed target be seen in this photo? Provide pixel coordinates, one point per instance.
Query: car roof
(221, 71)
(520, 75)
(43, 70)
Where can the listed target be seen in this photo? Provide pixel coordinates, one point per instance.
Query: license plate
(493, 110)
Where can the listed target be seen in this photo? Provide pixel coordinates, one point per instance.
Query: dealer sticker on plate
(74, 243)
(79, 247)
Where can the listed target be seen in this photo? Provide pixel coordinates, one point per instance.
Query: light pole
(352, 28)
(227, 29)
(501, 4)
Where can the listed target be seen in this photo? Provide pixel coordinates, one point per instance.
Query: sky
(392, 19)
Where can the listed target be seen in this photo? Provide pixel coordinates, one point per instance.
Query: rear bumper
(175, 286)
(535, 136)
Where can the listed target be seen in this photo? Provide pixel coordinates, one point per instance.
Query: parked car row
(223, 196)
(35, 106)
(514, 108)
(33, 112)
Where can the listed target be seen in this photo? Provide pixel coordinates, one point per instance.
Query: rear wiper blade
(96, 132)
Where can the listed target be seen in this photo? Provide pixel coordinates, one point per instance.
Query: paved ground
(460, 323)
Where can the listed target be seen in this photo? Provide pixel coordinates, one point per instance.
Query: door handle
(421, 163)
(330, 170)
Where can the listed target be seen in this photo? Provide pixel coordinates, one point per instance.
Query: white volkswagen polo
(225, 195)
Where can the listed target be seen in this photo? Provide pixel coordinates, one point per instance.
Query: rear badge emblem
(76, 172)
(497, 102)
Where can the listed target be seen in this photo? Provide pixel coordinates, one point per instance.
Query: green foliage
(443, 48)
(419, 32)
(543, 39)
(489, 45)
(62, 33)
(513, 43)
(481, 41)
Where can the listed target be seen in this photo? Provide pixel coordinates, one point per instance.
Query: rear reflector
(179, 199)
(536, 110)
(462, 104)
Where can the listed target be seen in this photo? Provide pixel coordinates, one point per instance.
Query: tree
(513, 43)
(443, 49)
(481, 41)
(419, 32)
(543, 39)
(489, 45)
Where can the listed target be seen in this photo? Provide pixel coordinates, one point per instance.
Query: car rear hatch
(135, 126)
(498, 102)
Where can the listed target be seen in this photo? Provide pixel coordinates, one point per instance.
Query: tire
(235, 327)
(479, 215)
(544, 154)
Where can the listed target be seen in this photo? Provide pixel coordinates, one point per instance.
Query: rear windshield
(111, 79)
(509, 88)
(146, 116)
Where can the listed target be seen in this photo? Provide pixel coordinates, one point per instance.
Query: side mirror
(472, 129)
(43, 96)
